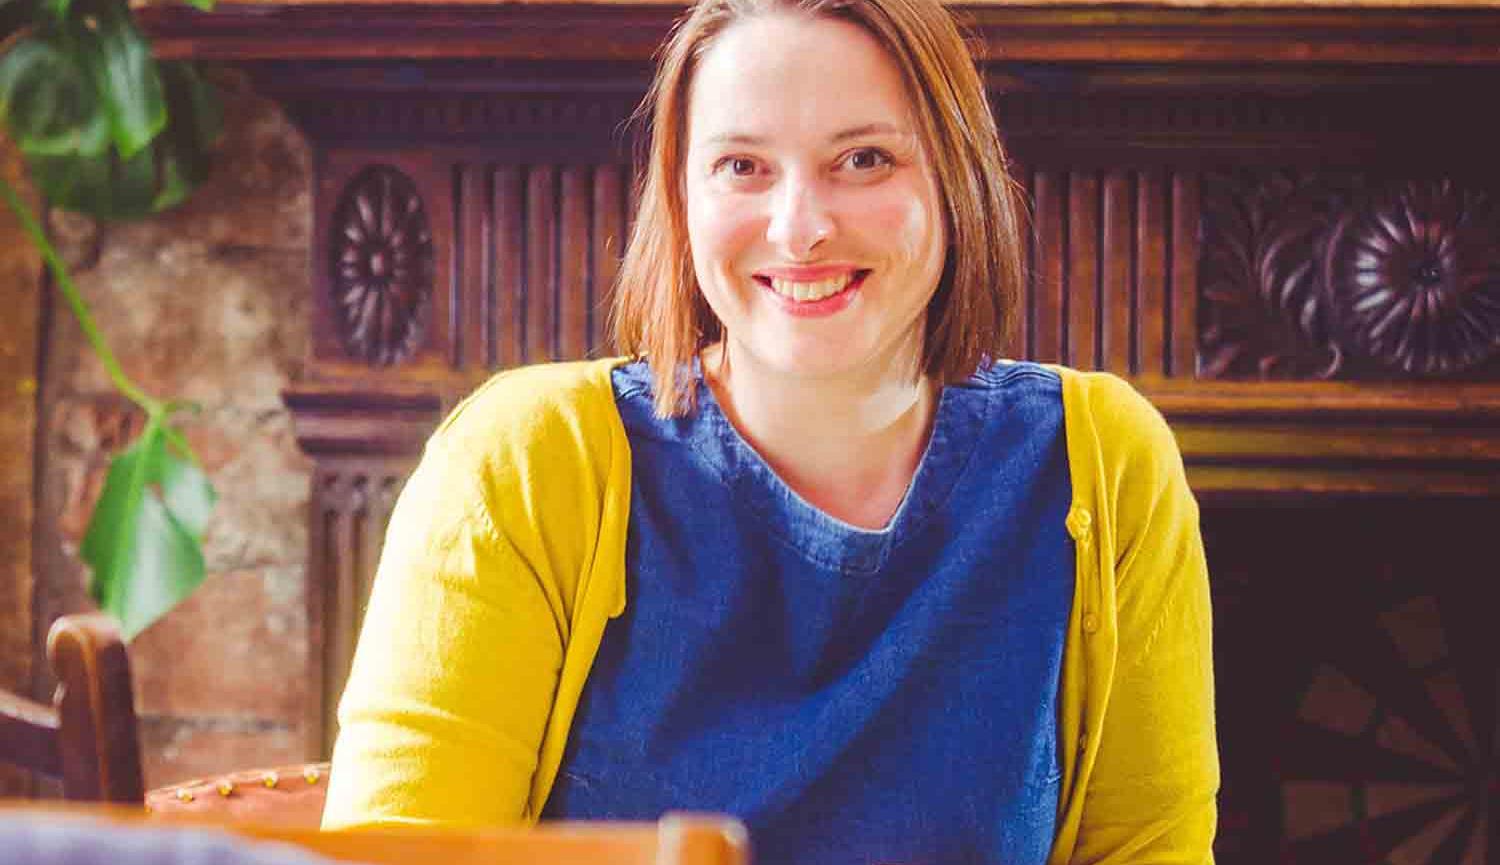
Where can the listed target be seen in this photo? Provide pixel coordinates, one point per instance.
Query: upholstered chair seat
(285, 796)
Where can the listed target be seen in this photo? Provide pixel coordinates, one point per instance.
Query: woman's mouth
(812, 291)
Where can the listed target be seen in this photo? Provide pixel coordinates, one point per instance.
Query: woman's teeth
(809, 291)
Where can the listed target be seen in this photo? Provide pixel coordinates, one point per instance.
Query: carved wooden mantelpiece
(1282, 225)
(1303, 271)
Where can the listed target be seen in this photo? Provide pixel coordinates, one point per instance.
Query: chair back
(88, 737)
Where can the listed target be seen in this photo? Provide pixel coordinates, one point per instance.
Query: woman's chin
(811, 362)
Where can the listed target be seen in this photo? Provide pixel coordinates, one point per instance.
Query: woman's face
(814, 218)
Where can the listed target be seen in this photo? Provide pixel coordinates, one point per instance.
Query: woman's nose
(800, 219)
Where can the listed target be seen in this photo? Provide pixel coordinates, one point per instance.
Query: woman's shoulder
(1121, 431)
(1015, 374)
(1101, 405)
(532, 403)
(524, 444)
(1110, 402)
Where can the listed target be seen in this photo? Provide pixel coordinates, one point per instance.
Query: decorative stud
(226, 787)
(270, 780)
(184, 794)
(311, 774)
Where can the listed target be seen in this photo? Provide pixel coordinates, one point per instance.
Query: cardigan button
(1079, 523)
(1090, 623)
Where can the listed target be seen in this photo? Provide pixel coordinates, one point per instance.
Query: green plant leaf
(101, 186)
(157, 177)
(144, 540)
(105, 129)
(48, 102)
(182, 151)
(118, 58)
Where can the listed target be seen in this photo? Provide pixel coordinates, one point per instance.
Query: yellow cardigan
(505, 560)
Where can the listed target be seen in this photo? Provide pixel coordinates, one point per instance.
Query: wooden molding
(331, 421)
(1052, 33)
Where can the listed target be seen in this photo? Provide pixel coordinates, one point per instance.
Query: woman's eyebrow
(879, 128)
(860, 131)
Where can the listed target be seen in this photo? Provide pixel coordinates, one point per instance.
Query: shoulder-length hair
(659, 311)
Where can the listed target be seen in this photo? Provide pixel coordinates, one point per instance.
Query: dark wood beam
(1054, 33)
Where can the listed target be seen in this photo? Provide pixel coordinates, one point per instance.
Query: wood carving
(1309, 276)
(1414, 279)
(526, 123)
(1262, 310)
(352, 504)
(381, 266)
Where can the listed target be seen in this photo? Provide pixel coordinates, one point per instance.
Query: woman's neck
(849, 444)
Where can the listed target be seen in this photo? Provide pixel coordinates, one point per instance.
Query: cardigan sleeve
(1151, 797)
(458, 659)
(472, 633)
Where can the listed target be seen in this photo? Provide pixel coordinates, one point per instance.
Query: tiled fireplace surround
(1283, 226)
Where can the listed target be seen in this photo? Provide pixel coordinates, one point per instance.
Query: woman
(809, 558)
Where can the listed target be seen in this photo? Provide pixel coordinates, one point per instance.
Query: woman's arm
(1152, 793)
(457, 665)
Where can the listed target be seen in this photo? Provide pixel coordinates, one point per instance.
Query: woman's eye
(739, 166)
(867, 159)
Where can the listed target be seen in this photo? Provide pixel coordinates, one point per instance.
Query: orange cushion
(290, 796)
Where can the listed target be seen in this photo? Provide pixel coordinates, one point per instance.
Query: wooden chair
(87, 738)
(677, 839)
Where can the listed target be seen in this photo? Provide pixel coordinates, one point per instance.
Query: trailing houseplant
(107, 130)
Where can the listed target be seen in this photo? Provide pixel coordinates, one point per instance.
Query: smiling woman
(811, 555)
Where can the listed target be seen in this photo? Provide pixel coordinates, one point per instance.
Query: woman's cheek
(721, 229)
(905, 219)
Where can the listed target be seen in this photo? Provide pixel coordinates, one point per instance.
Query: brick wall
(206, 303)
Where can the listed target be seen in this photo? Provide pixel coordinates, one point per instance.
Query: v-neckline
(825, 540)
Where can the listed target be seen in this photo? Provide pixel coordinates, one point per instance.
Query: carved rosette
(1414, 279)
(1334, 276)
(381, 266)
(1262, 313)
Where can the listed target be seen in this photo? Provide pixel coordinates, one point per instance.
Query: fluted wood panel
(608, 238)
(573, 289)
(1048, 278)
(1182, 326)
(503, 326)
(1081, 266)
(475, 266)
(1113, 270)
(539, 287)
(1153, 243)
(1117, 283)
(352, 502)
(540, 246)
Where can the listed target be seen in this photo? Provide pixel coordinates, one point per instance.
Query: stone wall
(206, 303)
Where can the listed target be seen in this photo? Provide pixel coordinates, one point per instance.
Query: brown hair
(659, 310)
